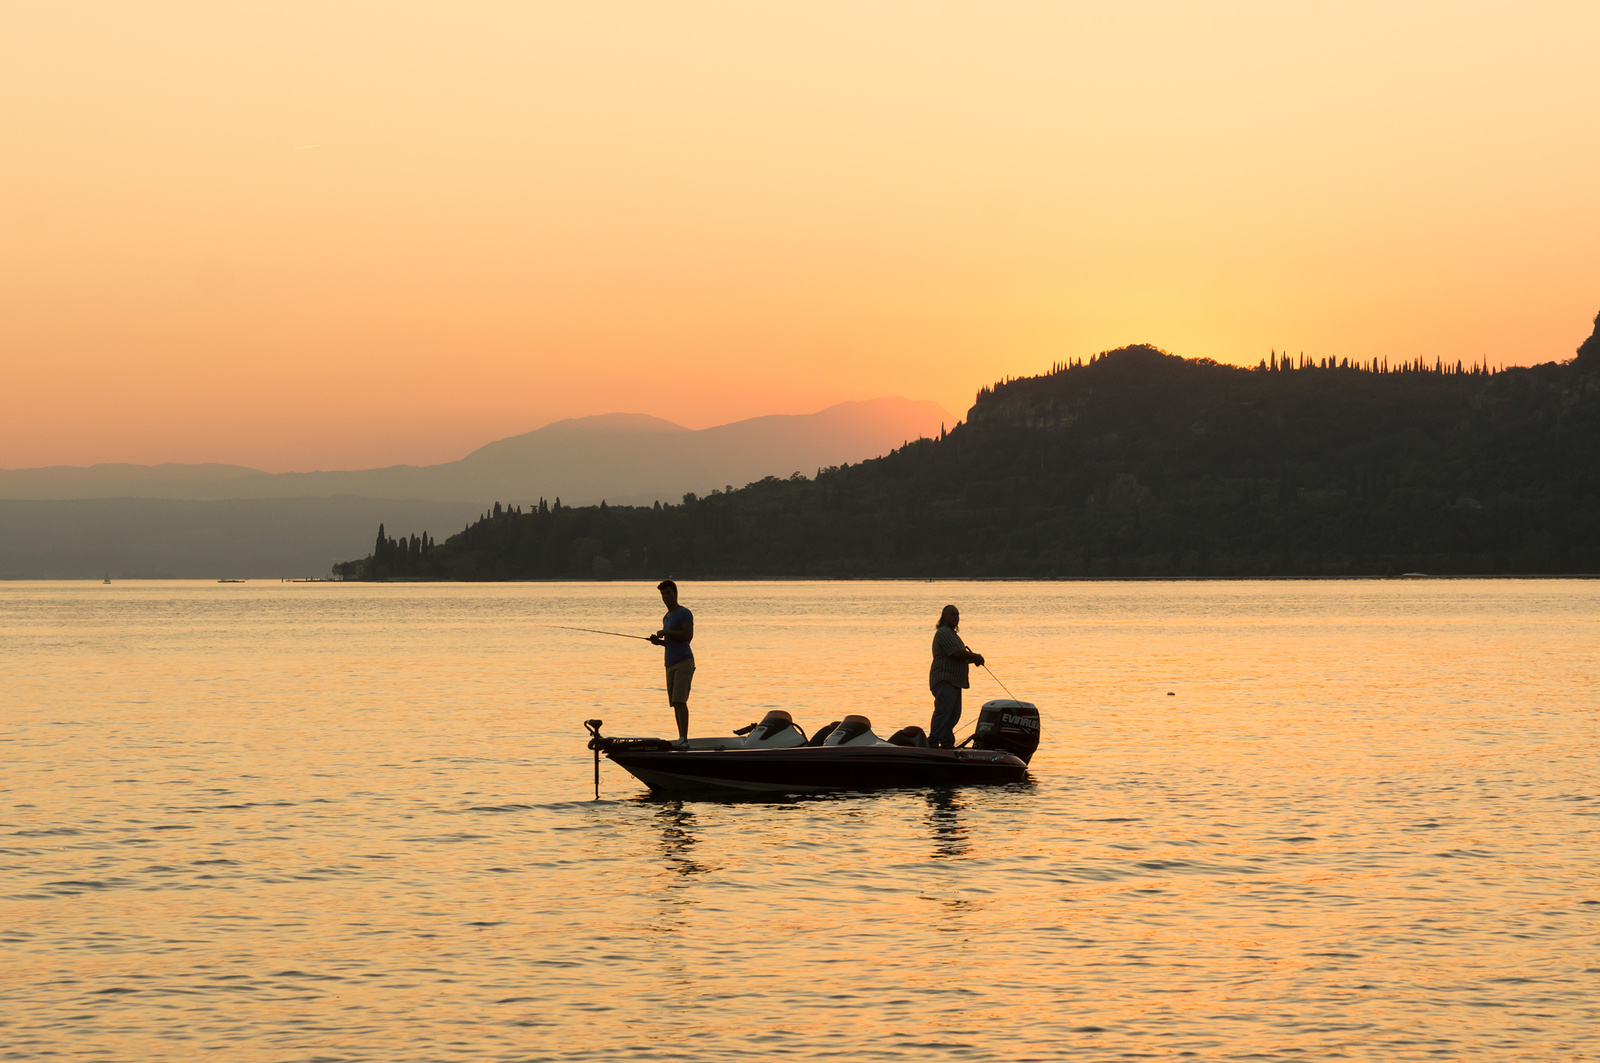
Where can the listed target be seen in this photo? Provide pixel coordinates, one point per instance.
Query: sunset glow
(342, 235)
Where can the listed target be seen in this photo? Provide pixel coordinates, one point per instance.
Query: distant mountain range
(229, 520)
(620, 457)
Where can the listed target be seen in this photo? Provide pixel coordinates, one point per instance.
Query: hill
(1136, 462)
(618, 457)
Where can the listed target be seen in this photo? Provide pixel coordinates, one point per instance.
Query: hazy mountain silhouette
(118, 480)
(621, 457)
(186, 521)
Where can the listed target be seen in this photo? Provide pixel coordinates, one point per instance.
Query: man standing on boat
(947, 678)
(677, 631)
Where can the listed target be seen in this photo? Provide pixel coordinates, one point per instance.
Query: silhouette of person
(677, 631)
(947, 677)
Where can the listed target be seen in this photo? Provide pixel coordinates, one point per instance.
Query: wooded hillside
(1136, 462)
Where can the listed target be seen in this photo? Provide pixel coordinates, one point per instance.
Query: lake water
(1268, 821)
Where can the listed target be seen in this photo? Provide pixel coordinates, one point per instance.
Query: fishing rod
(996, 678)
(596, 631)
(985, 667)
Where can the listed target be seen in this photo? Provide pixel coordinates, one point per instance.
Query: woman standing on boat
(947, 677)
(677, 631)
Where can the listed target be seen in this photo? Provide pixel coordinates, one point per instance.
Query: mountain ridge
(190, 521)
(582, 459)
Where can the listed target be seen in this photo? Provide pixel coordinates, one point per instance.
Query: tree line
(1134, 462)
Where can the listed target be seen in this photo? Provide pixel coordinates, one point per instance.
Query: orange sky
(516, 212)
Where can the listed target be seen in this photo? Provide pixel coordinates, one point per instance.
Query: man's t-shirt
(676, 621)
(946, 643)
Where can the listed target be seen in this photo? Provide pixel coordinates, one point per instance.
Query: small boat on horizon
(775, 756)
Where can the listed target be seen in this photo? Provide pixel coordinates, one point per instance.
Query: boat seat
(853, 731)
(909, 736)
(821, 737)
(776, 730)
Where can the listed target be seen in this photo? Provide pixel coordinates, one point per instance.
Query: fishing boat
(776, 756)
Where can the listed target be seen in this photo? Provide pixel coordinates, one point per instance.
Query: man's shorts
(678, 677)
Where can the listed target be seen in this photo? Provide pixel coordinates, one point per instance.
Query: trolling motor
(602, 744)
(594, 743)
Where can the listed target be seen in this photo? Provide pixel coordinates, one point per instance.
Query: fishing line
(996, 678)
(596, 631)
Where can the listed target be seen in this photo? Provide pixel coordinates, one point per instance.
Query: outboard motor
(776, 730)
(1008, 727)
(853, 731)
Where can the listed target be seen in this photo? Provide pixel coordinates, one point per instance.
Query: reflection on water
(676, 822)
(944, 824)
(312, 822)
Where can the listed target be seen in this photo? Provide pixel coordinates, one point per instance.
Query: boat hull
(815, 769)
